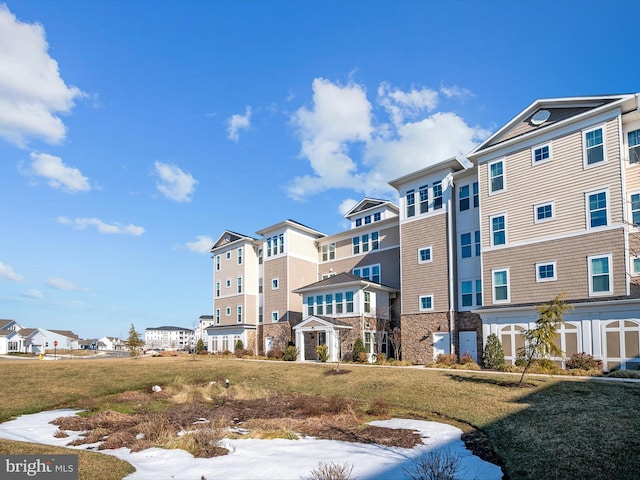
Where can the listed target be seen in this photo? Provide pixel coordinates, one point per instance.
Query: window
(477, 242)
(597, 209)
(424, 255)
(635, 269)
(600, 275)
(545, 272)
(260, 281)
(275, 283)
(498, 230)
(465, 245)
(274, 316)
(367, 220)
(356, 245)
(239, 284)
(339, 306)
(464, 198)
(217, 289)
(594, 146)
(376, 217)
(274, 240)
(260, 315)
(275, 245)
(349, 300)
(437, 195)
(217, 316)
(217, 262)
(319, 305)
(541, 153)
(328, 303)
(358, 222)
(424, 199)
(268, 247)
(543, 212)
(426, 302)
(478, 292)
(375, 243)
(239, 313)
(329, 252)
(635, 209)
(496, 176)
(476, 195)
(259, 256)
(500, 285)
(240, 256)
(411, 203)
(467, 293)
(371, 272)
(310, 305)
(228, 255)
(633, 139)
(227, 311)
(365, 243)
(367, 302)
(228, 283)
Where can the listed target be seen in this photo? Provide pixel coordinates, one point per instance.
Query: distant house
(39, 340)
(110, 343)
(168, 338)
(10, 340)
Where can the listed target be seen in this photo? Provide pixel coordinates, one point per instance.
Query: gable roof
(4, 324)
(561, 111)
(341, 279)
(229, 237)
(291, 224)
(456, 164)
(66, 333)
(322, 320)
(370, 203)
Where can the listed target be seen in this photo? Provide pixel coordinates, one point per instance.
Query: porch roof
(340, 279)
(327, 321)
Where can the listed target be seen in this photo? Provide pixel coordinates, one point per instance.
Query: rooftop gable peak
(368, 203)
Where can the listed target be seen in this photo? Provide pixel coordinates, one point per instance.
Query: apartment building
(168, 338)
(559, 192)
(550, 203)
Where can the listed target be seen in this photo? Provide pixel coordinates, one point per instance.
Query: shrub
(447, 359)
(582, 361)
(358, 347)
(466, 358)
(290, 354)
(435, 465)
(381, 358)
(363, 357)
(239, 345)
(238, 352)
(275, 353)
(331, 471)
(379, 407)
(323, 353)
(493, 353)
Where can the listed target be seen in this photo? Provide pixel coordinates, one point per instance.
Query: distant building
(168, 338)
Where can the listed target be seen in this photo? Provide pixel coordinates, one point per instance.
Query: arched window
(622, 345)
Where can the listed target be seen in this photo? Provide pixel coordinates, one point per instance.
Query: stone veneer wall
(281, 333)
(251, 341)
(417, 338)
(469, 322)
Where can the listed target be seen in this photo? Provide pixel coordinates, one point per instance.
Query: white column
(331, 344)
(300, 344)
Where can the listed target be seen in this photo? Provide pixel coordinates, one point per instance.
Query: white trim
(491, 232)
(629, 211)
(537, 220)
(632, 266)
(275, 283)
(538, 147)
(420, 308)
(609, 258)
(227, 312)
(504, 176)
(493, 286)
(430, 248)
(603, 127)
(277, 316)
(550, 279)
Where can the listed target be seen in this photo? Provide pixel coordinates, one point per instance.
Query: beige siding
(570, 255)
(429, 278)
(275, 299)
(389, 261)
(301, 244)
(301, 273)
(563, 180)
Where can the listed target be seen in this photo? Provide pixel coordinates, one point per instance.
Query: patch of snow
(277, 458)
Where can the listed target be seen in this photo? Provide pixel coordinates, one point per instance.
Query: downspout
(450, 262)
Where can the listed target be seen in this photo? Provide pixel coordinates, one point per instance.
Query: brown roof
(66, 333)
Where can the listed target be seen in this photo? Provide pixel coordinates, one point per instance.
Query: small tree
(200, 346)
(239, 345)
(134, 342)
(396, 337)
(493, 353)
(539, 340)
(358, 347)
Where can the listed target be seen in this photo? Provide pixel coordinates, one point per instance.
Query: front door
(468, 344)
(440, 344)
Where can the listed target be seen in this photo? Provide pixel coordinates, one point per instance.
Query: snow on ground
(252, 459)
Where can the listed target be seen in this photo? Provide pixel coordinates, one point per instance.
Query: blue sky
(132, 134)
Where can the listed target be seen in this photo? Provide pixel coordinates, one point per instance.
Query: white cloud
(33, 293)
(239, 122)
(347, 147)
(174, 183)
(106, 228)
(346, 205)
(32, 93)
(59, 175)
(61, 284)
(6, 271)
(456, 92)
(202, 244)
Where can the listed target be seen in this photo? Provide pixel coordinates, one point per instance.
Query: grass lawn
(559, 428)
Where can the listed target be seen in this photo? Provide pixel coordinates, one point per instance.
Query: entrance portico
(314, 331)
